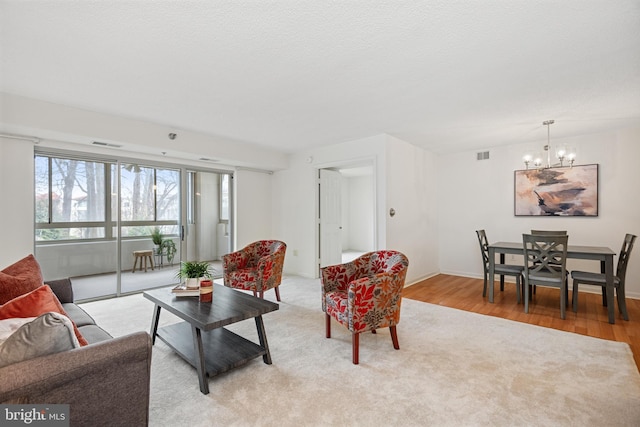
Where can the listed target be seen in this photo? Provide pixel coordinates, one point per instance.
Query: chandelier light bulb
(537, 161)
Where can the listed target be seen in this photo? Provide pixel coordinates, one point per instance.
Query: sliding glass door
(118, 226)
(149, 218)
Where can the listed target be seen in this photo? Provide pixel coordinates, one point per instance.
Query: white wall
(253, 208)
(294, 215)
(16, 193)
(479, 194)
(412, 181)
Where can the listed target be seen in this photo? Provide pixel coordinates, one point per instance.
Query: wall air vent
(106, 144)
(483, 155)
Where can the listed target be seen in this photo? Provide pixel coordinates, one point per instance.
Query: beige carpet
(453, 368)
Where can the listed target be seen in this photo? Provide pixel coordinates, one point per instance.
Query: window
(150, 198)
(70, 197)
(77, 199)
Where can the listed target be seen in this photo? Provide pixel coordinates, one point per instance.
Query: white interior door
(330, 218)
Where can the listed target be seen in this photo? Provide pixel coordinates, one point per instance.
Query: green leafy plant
(157, 237)
(169, 248)
(194, 270)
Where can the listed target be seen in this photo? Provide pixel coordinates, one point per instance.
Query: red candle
(206, 290)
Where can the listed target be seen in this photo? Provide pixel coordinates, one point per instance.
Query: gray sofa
(105, 383)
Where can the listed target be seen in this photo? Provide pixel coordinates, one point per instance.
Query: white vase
(193, 283)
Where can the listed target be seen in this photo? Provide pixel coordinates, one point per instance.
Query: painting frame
(557, 191)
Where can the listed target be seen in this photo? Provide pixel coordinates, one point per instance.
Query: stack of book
(183, 291)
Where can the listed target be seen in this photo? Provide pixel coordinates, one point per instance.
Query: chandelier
(562, 153)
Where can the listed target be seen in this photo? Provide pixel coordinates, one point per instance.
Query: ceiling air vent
(106, 144)
(206, 159)
(483, 155)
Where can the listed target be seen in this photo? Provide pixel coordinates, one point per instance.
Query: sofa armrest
(105, 383)
(62, 288)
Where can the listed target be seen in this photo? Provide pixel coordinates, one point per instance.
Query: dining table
(597, 253)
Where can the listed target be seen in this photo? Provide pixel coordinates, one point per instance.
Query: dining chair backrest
(546, 255)
(623, 258)
(549, 232)
(484, 248)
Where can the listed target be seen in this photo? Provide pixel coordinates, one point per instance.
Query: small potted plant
(192, 271)
(157, 238)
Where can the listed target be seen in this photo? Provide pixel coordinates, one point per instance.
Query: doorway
(346, 212)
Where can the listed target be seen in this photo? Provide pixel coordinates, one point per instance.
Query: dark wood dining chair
(550, 233)
(501, 269)
(545, 264)
(599, 279)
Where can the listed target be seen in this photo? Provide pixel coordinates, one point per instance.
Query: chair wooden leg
(355, 344)
(394, 337)
(328, 322)
(261, 294)
(519, 296)
(574, 297)
(563, 303)
(373, 331)
(277, 288)
(484, 289)
(255, 294)
(622, 304)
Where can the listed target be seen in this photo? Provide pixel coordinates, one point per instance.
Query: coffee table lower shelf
(223, 349)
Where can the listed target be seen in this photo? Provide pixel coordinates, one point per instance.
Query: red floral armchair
(365, 294)
(257, 267)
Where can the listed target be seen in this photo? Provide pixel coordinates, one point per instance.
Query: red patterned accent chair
(257, 267)
(365, 294)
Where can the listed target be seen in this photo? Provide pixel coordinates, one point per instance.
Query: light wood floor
(591, 319)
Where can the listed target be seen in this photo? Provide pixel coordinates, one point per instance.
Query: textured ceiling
(445, 75)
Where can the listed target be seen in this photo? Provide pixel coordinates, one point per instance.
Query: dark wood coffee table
(201, 339)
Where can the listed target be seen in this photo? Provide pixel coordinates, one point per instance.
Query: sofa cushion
(94, 333)
(77, 315)
(49, 333)
(35, 303)
(19, 278)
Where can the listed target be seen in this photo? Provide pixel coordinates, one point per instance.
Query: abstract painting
(564, 191)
